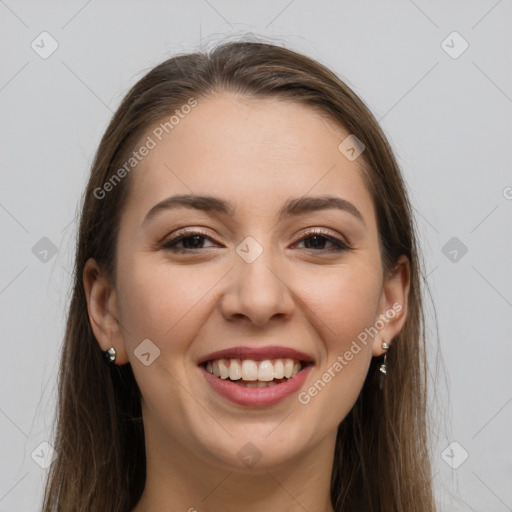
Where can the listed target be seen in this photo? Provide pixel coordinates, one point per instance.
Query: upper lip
(257, 354)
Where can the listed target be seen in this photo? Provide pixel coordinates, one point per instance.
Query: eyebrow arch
(291, 207)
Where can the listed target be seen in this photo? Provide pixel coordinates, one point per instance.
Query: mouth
(259, 376)
(250, 373)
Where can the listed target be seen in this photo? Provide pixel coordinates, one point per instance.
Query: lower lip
(256, 397)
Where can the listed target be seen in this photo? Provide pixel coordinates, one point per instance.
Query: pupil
(197, 238)
(318, 240)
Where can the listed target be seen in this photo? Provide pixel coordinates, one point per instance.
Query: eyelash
(171, 244)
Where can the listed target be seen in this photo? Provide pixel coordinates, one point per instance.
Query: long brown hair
(381, 460)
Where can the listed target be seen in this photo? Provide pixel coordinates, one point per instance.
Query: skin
(257, 154)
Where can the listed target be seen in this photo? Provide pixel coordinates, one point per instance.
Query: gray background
(449, 120)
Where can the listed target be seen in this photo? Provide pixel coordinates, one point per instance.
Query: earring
(383, 368)
(110, 355)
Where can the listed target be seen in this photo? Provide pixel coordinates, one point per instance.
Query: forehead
(253, 152)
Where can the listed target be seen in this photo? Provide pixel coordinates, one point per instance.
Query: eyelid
(324, 232)
(304, 231)
(339, 241)
(184, 233)
(188, 232)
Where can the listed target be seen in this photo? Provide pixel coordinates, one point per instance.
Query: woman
(249, 366)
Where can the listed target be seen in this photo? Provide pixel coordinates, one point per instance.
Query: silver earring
(110, 355)
(382, 367)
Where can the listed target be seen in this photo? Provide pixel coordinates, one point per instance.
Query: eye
(319, 238)
(191, 240)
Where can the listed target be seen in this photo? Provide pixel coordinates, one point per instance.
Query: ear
(103, 310)
(393, 304)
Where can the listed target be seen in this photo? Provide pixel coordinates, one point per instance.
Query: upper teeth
(248, 369)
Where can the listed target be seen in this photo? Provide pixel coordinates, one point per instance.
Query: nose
(257, 291)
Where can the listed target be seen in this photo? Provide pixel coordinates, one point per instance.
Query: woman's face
(252, 279)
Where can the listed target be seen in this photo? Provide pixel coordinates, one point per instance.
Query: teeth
(279, 369)
(288, 368)
(224, 370)
(266, 371)
(235, 370)
(258, 373)
(257, 384)
(249, 370)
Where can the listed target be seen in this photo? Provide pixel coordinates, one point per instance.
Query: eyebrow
(291, 207)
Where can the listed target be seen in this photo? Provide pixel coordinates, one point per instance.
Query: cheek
(163, 302)
(344, 303)
(343, 308)
(345, 299)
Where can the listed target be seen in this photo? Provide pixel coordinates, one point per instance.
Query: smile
(253, 383)
(251, 373)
